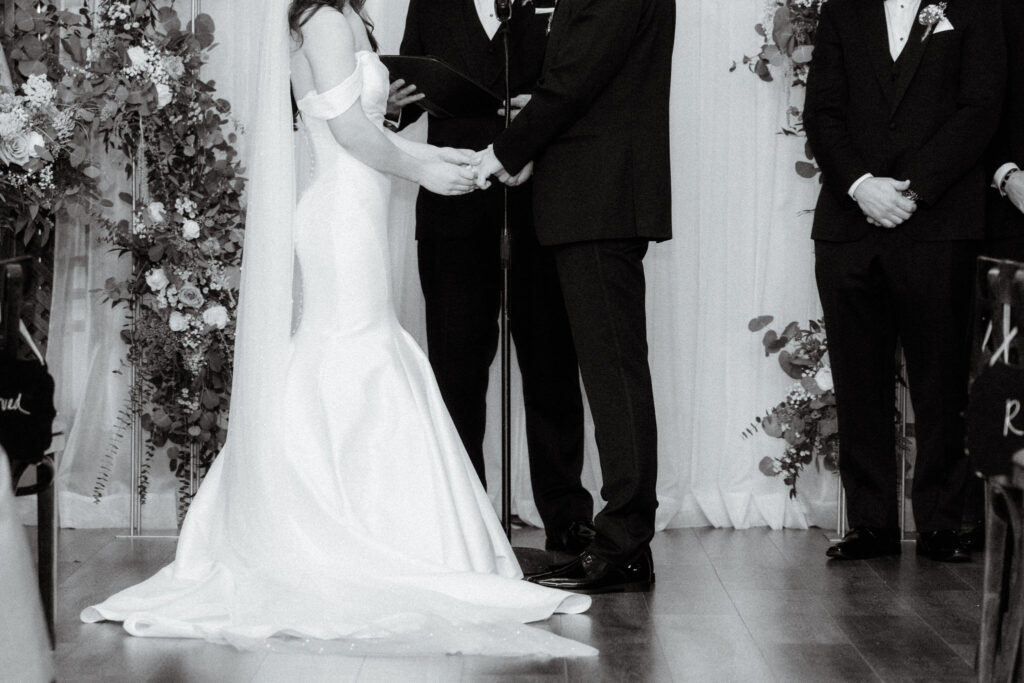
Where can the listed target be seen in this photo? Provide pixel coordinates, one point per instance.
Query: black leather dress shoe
(865, 542)
(573, 540)
(945, 545)
(590, 574)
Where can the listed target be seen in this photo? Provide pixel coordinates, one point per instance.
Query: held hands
(882, 203)
(400, 95)
(450, 171)
(490, 166)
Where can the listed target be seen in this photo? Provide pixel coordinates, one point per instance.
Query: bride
(343, 506)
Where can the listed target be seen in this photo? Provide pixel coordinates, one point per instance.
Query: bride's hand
(457, 156)
(447, 178)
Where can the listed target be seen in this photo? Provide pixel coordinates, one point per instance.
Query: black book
(447, 92)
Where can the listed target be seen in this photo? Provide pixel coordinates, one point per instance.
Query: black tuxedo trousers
(882, 289)
(461, 280)
(604, 290)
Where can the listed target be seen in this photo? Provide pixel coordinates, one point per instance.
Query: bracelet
(1006, 178)
(391, 125)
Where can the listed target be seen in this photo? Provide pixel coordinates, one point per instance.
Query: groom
(596, 131)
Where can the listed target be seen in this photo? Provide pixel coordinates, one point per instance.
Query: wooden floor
(753, 605)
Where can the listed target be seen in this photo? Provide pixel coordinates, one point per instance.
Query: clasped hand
(882, 202)
(490, 167)
(451, 171)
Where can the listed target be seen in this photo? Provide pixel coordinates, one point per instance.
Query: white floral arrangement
(37, 135)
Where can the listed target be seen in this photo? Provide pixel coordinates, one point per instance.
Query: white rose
(163, 95)
(189, 295)
(16, 149)
(156, 211)
(190, 230)
(177, 322)
(823, 379)
(137, 55)
(157, 279)
(216, 316)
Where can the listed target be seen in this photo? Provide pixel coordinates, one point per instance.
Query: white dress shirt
(485, 10)
(900, 16)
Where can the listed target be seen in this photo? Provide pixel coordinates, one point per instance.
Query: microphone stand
(503, 11)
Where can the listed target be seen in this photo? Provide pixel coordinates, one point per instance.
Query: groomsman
(1006, 153)
(903, 97)
(596, 129)
(460, 270)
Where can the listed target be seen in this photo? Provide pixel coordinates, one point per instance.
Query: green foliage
(806, 418)
(787, 34)
(130, 75)
(49, 117)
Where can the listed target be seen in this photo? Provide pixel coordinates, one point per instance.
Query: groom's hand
(490, 166)
(521, 177)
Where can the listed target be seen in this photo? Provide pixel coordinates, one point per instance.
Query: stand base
(132, 537)
(536, 561)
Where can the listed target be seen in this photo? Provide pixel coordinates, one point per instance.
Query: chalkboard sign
(995, 414)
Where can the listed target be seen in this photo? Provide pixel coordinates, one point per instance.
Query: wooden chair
(13, 276)
(1002, 603)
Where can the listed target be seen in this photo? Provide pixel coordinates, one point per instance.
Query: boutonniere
(930, 16)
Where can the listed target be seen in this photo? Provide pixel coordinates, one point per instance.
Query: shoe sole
(848, 558)
(634, 587)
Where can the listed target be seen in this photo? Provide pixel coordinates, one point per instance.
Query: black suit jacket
(450, 30)
(597, 125)
(927, 117)
(1004, 220)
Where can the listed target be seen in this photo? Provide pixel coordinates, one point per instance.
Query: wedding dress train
(363, 520)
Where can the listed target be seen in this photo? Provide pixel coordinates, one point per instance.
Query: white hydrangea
(11, 123)
(38, 90)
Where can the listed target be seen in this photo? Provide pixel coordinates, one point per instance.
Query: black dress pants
(875, 292)
(461, 281)
(604, 289)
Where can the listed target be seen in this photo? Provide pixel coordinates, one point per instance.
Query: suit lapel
(877, 35)
(909, 60)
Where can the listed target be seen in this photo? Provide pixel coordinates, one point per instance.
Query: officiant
(460, 268)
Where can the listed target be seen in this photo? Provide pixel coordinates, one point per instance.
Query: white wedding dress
(363, 522)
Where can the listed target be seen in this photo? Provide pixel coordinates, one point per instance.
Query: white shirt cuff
(1000, 172)
(857, 182)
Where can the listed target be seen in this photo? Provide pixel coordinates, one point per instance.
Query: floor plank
(728, 605)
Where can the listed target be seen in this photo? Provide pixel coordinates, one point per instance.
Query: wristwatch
(911, 195)
(1006, 179)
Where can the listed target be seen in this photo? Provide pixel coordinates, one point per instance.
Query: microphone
(503, 10)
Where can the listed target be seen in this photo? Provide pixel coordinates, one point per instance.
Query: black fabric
(597, 125)
(1005, 222)
(461, 282)
(604, 289)
(459, 266)
(26, 410)
(882, 289)
(451, 31)
(928, 118)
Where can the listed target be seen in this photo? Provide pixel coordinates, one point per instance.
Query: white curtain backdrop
(741, 249)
